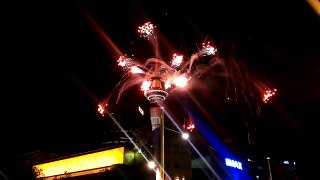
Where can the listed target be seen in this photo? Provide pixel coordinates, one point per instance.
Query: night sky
(57, 67)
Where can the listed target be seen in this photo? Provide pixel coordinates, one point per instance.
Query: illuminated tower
(156, 94)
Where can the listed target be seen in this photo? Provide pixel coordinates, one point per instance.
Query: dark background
(57, 66)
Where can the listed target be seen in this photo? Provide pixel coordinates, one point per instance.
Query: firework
(124, 62)
(243, 86)
(190, 127)
(176, 60)
(177, 72)
(153, 68)
(208, 49)
(146, 30)
(268, 94)
(101, 108)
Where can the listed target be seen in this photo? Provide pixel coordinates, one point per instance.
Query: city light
(83, 163)
(185, 135)
(233, 163)
(151, 164)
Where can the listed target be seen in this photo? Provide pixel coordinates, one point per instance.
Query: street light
(185, 135)
(151, 164)
(269, 168)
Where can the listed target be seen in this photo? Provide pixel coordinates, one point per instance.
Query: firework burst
(268, 94)
(177, 72)
(146, 30)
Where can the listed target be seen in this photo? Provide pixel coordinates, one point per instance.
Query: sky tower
(156, 94)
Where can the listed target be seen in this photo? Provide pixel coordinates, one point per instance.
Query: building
(103, 163)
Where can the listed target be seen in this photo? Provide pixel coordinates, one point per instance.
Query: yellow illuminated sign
(80, 163)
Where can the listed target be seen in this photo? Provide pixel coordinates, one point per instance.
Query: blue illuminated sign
(233, 163)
